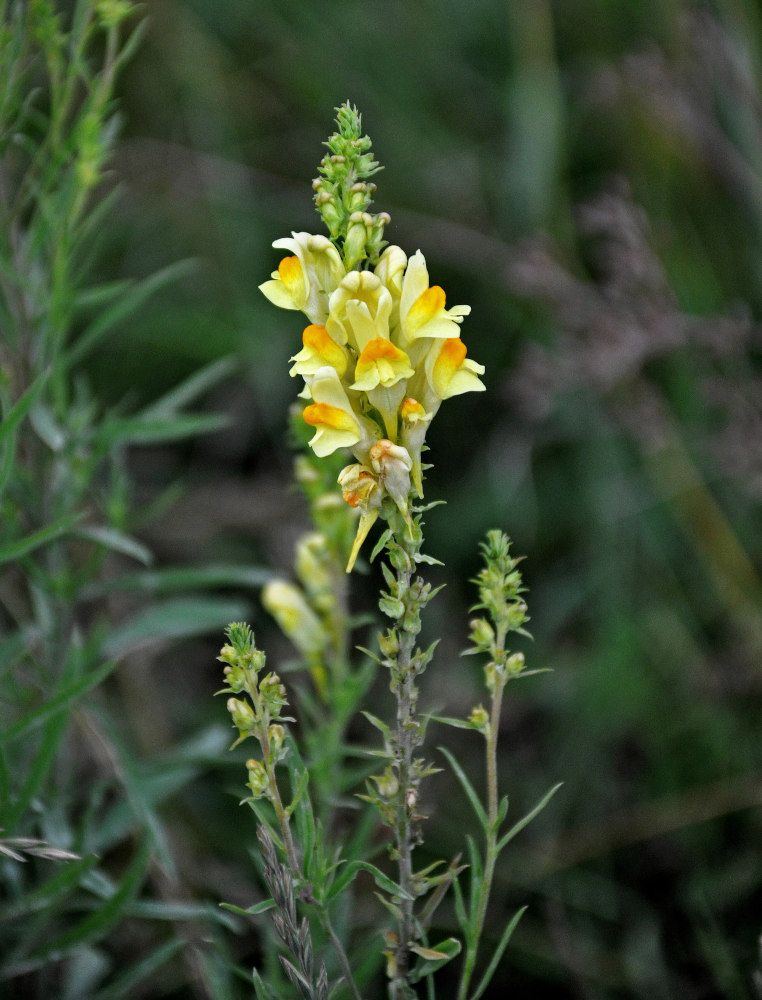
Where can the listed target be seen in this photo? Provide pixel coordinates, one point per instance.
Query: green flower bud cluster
(258, 714)
(343, 193)
(500, 589)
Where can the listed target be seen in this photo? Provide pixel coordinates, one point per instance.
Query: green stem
(406, 742)
(479, 915)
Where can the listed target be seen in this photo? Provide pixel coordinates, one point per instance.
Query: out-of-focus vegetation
(592, 185)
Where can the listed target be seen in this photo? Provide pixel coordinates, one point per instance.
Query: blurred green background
(588, 176)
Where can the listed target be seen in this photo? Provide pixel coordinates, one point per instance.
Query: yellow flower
(318, 351)
(391, 269)
(449, 372)
(336, 424)
(381, 363)
(359, 310)
(305, 280)
(288, 606)
(381, 372)
(422, 308)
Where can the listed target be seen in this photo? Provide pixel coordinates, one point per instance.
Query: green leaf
(250, 911)
(21, 407)
(477, 874)
(517, 827)
(141, 430)
(383, 882)
(97, 924)
(190, 389)
(129, 302)
(63, 699)
(50, 893)
(379, 724)
(434, 958)
(175, 618)
(125, 985)
(468, 788)
(381, 543)
(117, 541)
(447, 720)
(163, 581)
(300, 790)
(460, 906)
(262, 991)
(497, 955)
(23, 546)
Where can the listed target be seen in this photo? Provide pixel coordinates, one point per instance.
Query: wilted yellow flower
(361, 488)
(392, 464)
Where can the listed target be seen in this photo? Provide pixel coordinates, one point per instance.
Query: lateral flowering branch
(381, 351)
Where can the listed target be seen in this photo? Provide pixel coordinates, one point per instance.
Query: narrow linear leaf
(498, 954)
(176, 618)
(23, 546)
(130, 301)
(262, 991)
(97, 924)
(124, 987)
(138, 430)
(477, 874)
(250, 911)
(98, 296)
(517, 827)
(71, 693)
(434, 958)
(54, 729)
(66, 879)
(147, 909)
(447, 720)
(21, 407)
(382, 881)
(379, 724)
(117, 541)
(165, 581)
(468, 788)
(303, 781)
(190, 389)
(460, 906)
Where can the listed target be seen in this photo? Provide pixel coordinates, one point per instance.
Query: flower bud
(273, 693)
(479, 718)
(515, 664)
(387, 784)
(358, 233)
(257, 782)
(389, 644)
(482, 633)
(242, 714)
